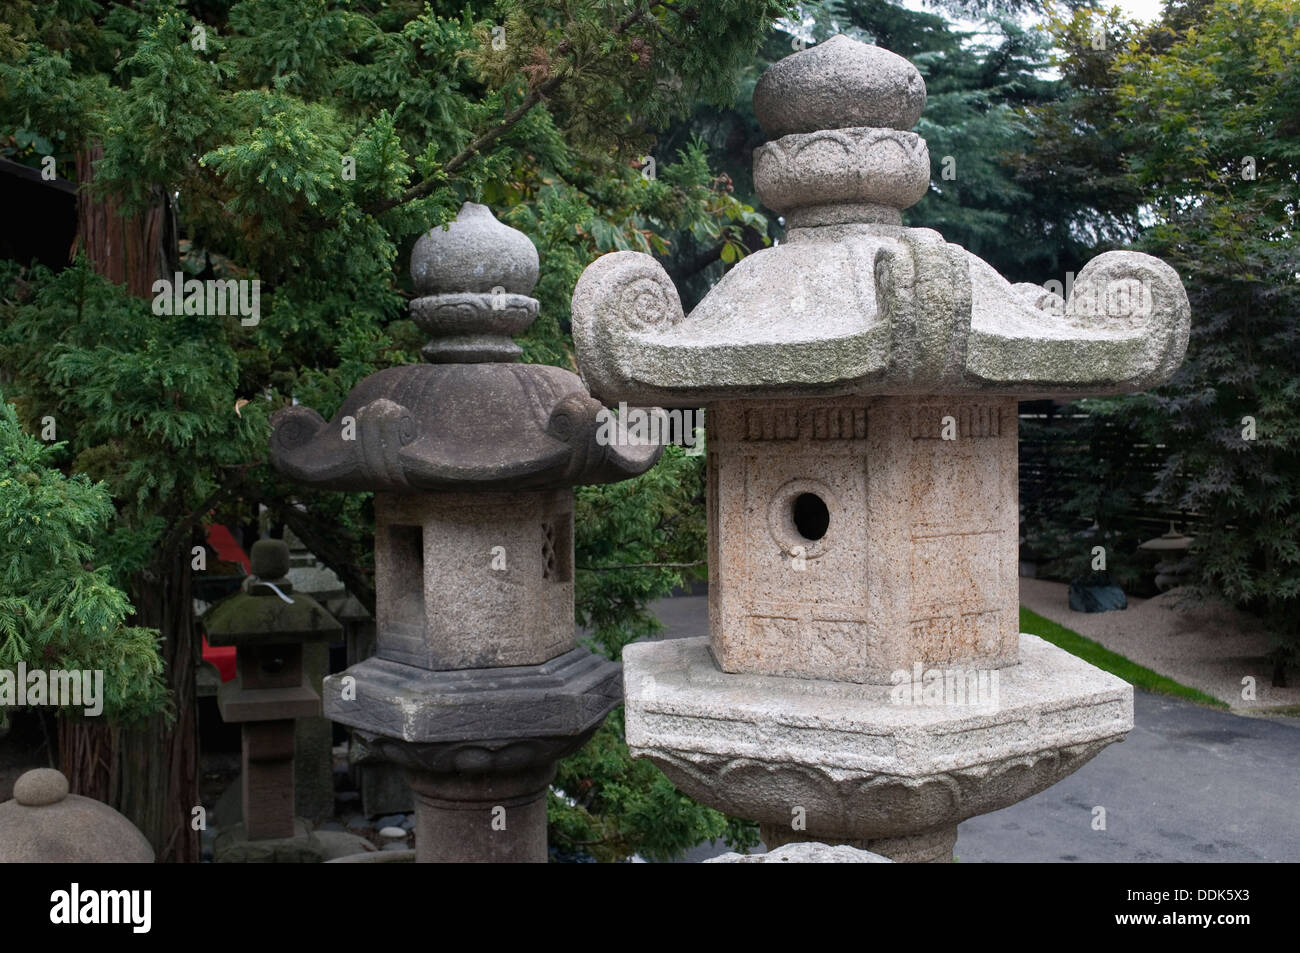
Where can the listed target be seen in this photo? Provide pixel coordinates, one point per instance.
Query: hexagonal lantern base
(562, 696)
(479, 745)
(889, 769)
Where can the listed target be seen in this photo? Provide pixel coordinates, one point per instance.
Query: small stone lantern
(477, 686)
(1172, 549)
(861, 381)
(268, 623)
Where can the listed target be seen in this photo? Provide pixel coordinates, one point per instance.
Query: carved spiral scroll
(294, 427)
(627, 289)
(647, 304)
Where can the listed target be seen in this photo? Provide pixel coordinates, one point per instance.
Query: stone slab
(854, 764)
(678, 700)
(562, 697)
(233, 846)
(377, 857)
(336, 844)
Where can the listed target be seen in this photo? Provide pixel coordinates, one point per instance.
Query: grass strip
(1097, 654)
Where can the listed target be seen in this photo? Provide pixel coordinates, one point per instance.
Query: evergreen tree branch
(182, 528)
(640, 566)
(485, 139)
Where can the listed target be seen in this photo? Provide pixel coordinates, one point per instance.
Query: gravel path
(1211, 647)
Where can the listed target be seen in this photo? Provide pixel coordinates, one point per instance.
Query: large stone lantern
(861, 380)
(477, 685)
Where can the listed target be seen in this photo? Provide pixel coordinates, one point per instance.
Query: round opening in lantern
(811, 517)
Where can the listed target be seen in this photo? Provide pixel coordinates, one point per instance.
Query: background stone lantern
(477, 686)
(268, 623)
(861, 380)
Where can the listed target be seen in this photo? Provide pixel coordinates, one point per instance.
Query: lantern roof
(471, 417)
(853, 302)
(268, 611)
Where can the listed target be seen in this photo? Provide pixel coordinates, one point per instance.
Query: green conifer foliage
(1194, 120)
(59, 608)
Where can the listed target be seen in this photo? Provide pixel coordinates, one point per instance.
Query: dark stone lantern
(477, 686)
(268, 623)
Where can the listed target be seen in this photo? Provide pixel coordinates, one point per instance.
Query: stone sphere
(475, 253)
(45, 824)
(839, 84)
(41, 786)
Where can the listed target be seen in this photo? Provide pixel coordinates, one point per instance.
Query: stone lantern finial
(269, 560)
(838, 115)
(474, 277)
(839, 84)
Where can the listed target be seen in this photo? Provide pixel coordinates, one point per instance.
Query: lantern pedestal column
(481, 801)
(479, 746)
(462, 818)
